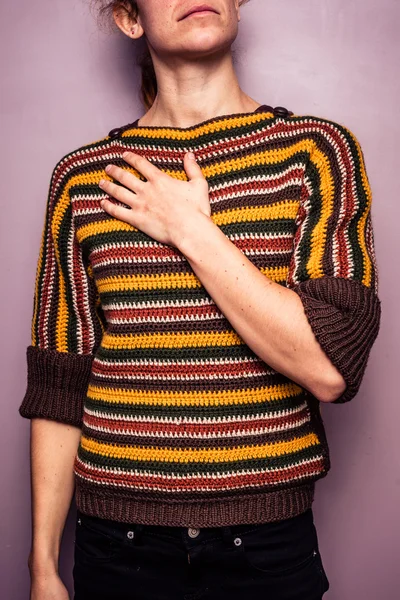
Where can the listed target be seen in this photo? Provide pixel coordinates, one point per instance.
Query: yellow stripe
(170, 281)
(197, 339)
(161, 132)
(271, 157)
(203, 398)
(318, 235)
(208, 455)
(283, 210)
(62, 309)
(101, 227)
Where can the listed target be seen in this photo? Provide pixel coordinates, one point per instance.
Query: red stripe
(249, 187)
(81, 295)
(205, 483)
(162, 312)
(174, 370)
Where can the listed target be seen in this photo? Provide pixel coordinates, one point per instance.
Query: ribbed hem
(56, 385)
(254, 508)
(344, 315)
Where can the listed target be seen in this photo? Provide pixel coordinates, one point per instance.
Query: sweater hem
(243, 509)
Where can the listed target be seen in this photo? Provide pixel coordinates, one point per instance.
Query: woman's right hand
(48, 587)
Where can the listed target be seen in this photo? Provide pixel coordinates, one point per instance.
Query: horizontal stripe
(194, 455)
(179, 280)
(192, 411)
(115, 395)
(194, 132)
(190, 487)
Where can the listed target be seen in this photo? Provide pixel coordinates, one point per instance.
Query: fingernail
(125, 154)
(102, 182)
(191, 155)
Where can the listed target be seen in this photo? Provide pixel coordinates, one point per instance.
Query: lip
(198, 8)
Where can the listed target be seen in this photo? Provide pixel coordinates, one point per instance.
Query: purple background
(65, 84)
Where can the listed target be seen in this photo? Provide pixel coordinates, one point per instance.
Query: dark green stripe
(187, 353)
(304, 245)
(261, 409)
(63, 246)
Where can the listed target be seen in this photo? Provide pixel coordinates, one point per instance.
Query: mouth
(203, 9)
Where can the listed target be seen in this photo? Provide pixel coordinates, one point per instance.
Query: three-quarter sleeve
(333, 267)
(68, 321)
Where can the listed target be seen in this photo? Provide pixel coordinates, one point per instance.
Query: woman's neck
(193, 92)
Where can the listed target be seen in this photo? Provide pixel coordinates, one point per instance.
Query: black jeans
(269, 561)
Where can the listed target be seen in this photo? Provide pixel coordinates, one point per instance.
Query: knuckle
(117, 192)
(202, 183)
(124, 178)
(112, 190)
(111, 207)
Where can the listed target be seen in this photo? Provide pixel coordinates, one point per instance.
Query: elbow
(331, 388)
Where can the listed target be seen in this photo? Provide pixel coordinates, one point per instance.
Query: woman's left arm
(267, 316)
(317, 331)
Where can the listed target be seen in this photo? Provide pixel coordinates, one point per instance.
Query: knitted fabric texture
(182, 423)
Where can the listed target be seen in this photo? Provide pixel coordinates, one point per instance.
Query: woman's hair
(148, 88)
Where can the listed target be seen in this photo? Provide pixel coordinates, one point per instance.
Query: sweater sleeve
(333, 266)
(67, 321)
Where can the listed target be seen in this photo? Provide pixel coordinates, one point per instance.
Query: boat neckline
(217, 118)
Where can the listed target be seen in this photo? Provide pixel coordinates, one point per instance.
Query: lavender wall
(65, 84)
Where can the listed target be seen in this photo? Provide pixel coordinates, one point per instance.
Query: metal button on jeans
(237, 541)
(131, 535)
(193, 532)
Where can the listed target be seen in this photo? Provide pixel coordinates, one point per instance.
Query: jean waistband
(177, 532)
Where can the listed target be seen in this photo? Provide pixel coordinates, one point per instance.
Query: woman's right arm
(66, 329)
(53, 449)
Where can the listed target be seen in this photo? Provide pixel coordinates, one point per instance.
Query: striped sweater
(181, 422)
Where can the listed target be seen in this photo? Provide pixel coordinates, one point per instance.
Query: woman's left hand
(162, 207)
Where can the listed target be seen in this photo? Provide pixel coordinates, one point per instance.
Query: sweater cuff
(56, 385)
(344, 315)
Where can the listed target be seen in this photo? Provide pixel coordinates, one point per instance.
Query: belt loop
(227, 535)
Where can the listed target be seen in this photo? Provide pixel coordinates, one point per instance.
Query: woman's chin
(203, 41)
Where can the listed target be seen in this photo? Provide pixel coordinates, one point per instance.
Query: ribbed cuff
(56, 385)
(344, 315)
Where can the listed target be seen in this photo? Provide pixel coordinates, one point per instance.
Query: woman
(207, 276)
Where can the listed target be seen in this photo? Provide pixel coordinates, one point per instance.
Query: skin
(193, 64)
(53, 448)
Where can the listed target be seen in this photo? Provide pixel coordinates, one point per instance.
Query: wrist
(191, 239)
(42, 564)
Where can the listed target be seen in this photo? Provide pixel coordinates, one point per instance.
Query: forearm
(267, 316)
(53, 450)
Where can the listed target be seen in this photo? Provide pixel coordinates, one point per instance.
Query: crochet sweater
(181, 422)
